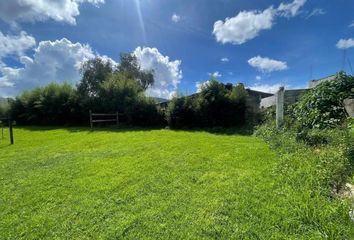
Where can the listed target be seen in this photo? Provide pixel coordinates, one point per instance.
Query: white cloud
(175, 18)
(39, 10)
(58, 61)
(199, 85)
(11, 44)
(268, 88)
(352, 24)
(215, 74)
(345, 43)
(247, 25)
(291, 9)
(244, 26)
(267, 64)
(258, 78)
(225, 59)
(167, 73)
(316, 12)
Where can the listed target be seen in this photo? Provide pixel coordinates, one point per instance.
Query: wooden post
(117, 118)
(91, 123)
(280, 107)
(11, 132)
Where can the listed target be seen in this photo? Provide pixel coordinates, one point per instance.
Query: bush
(326, 155)
(4, 107)
(54, 104)
(146, 113)
(322, 107)
(60, 104)
(183, 112)
(125, 95)
(216, 105)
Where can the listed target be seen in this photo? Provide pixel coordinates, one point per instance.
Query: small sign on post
(280, 107)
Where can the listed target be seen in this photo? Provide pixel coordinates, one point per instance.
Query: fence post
(11, 132)
(91, 123)
(280, 107)
(117, 118)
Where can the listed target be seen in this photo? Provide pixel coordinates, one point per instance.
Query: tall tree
(94, 72)
(129, 65)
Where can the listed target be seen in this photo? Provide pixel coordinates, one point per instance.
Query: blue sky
(262, 43)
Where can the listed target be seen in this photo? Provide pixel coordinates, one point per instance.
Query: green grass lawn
(151, 184)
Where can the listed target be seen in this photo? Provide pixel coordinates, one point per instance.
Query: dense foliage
(322, 107)
(216, 105)
(4, 107)
(316, 148)
(121, 93)
(54, 104)
(103, 88)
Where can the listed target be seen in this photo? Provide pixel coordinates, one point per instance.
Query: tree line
(107, 88)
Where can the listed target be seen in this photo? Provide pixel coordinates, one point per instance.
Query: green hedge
(217, 105)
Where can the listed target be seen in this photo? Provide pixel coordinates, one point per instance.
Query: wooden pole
(91, 123)
(11, 132)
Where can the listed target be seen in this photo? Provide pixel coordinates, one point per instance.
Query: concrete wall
(267, 102)
(349, 106)
(290, 97)
(314, 83)
(293, 96)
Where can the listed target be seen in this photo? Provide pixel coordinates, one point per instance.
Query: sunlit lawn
(141, 184)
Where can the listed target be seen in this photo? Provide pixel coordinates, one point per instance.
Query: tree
(119, 93)
(238, 93)
(94, 72)
(129, 65)
(123, 94)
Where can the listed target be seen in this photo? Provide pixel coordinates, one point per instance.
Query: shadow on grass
(244, 131)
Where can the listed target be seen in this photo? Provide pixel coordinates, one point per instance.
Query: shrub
(183, 112)
(146, 113)
(4, 107)
(322, 107)
(54, 104)
(324, 156)
(216, 105)
(125, 95)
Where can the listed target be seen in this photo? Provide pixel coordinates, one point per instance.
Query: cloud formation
(57, 61)
(215, 74)
(244, 26)
(200, 85)
(267, 64)
(291, 9)
(316, 12)
(60, 60)
(268, 88)
(247, 25)
(225, 59)
(345, 43)
(175, 18)
(13, 11)
(12, 44)
(167, 73)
